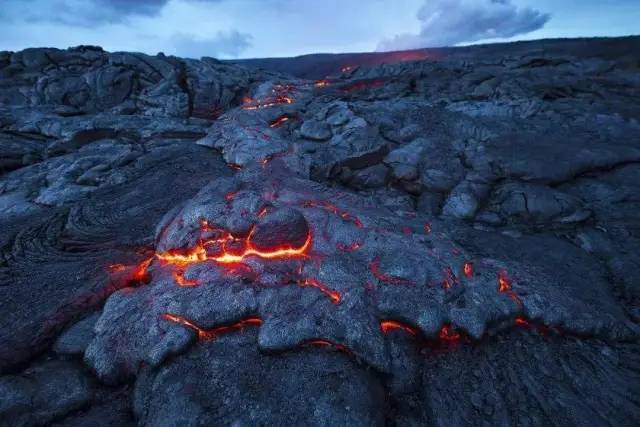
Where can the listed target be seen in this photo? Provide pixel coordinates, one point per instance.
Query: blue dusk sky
(268, 28)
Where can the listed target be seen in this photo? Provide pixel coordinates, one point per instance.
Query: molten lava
(449, 279)
(504, 283)
(178, 276)
(233, 250)
(391, 325)
(346, 216)
(335, 296)
(448, 334)
(268, 102)
(504, 286)
(375, 269)
(326, 343)
(209, 334)
(279, 122)
(467, 269)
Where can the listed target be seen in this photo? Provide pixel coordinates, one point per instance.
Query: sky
(229, 29)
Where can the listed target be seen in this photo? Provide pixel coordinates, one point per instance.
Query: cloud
(450, 22)
(81, 13)
(224, 44)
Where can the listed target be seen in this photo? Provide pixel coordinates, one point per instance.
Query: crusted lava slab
(450, 240)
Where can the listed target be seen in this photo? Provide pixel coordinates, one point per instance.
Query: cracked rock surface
(449, 241)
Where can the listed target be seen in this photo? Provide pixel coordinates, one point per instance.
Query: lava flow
(209, 334)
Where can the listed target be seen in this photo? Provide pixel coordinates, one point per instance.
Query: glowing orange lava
(322, 83)
(326, 343)
(178, 276)
(391, 325)
(346, 216)
(267, 102)
(375, 269)
(467, 269)
(449, 279)
(504, 286)
(448, 334)
(227, 255)
(504, 283)
(335, 296)
(521, 321)
(140, 273)
(209, 334)
(279, 122)
(117, 267)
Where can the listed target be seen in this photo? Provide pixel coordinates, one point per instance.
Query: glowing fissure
(326, 343)
(375, 270)
(345, 215)
(279, 122)
(504, 286)
(390, 325)
(335, 296)
(467, 269)
(210, 334)
(449, 279)
(228, 256)
(447, 333)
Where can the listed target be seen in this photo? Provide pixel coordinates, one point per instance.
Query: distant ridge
(320, 65)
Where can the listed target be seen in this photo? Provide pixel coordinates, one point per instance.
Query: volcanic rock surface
(449, 241)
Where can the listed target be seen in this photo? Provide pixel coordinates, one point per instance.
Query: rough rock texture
(450, 241)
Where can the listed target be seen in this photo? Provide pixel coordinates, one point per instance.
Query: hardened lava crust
(447, 238)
